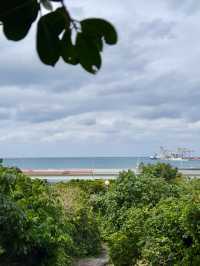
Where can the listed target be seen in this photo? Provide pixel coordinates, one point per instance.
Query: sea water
(91, 162)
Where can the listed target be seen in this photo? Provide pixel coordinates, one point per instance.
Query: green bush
(125, 245)
(33, 229)
(173, 233)
(147, 220)
(90, 187)
(121, 249)
(75, 202)
(130, 191)
(160, 170)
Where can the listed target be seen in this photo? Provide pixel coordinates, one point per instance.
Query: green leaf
(47, 44)
(89, 55)
(68, 50)
(18, 21)
(8, 7)
(15, 32)
(50, 27)
(99, 44)
(100, 28)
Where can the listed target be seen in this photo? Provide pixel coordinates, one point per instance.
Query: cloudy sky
(146, 95)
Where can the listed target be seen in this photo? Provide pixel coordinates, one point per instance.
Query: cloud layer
(147, 93)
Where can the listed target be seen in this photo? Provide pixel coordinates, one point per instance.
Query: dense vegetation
(152, 218)
(39, 225)
(149, 219)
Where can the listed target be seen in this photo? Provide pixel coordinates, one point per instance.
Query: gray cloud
(147, 92)
(187, 6)
(155, 29)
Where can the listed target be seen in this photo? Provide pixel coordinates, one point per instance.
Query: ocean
(90, 162)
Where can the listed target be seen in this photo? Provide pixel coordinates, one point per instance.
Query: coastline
(93, 173)
(75, 172)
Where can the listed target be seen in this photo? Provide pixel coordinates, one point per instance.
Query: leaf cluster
(161, 170)
(37, 228)
(58, 34)
(150, 219)
(79, 212)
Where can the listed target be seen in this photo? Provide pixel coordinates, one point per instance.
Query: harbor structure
(180, 154)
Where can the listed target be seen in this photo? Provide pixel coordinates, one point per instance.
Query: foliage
(147, 219)
(161, 170)
(90, 187)
(120, 249)
(36, 229)
(58, 34)
(173, 233)
(191, 187)
(77, 208)
(125, 245)
(33, 228)
(130, 191)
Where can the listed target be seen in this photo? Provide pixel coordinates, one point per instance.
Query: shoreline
(74, 172)
(94, 172)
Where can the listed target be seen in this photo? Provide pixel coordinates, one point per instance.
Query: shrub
(125, 245)
(90, 187)
(120, 249)
(146, 219)
(130, 191)
(85, 233)
(172, 233)
(33, 229)
(160, 170)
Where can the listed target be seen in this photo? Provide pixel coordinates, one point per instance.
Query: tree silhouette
(58, 34)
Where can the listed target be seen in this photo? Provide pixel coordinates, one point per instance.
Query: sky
(147, 93)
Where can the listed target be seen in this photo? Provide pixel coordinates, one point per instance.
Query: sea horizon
(96, 162)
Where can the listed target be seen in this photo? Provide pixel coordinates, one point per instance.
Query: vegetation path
(102, 260)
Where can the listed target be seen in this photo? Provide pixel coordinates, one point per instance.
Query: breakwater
(67, 174)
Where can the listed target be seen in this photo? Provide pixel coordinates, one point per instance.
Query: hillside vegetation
(39, 225)
(149, 219)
